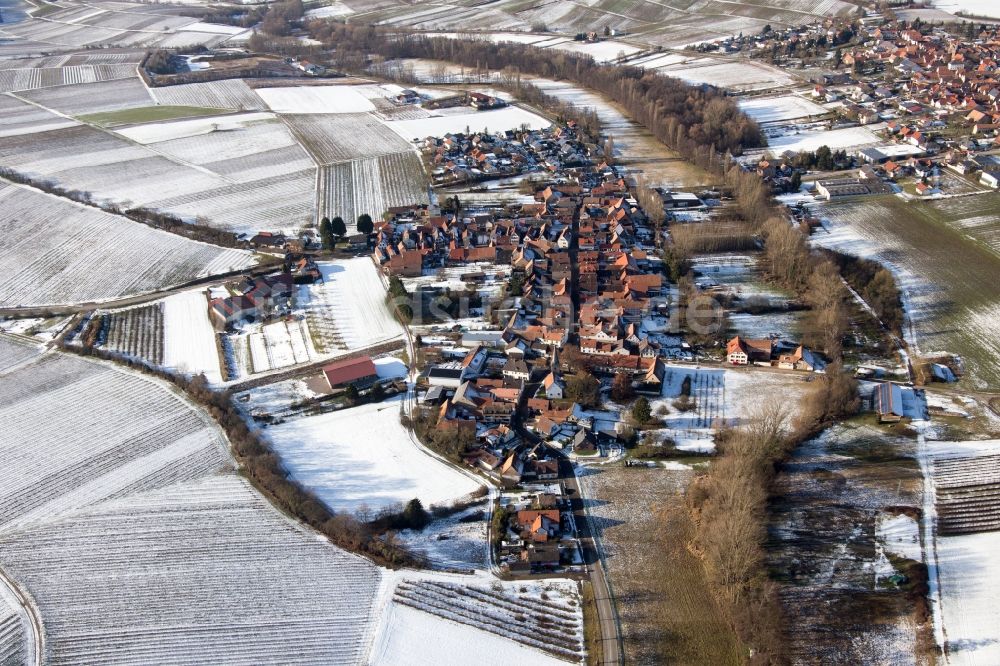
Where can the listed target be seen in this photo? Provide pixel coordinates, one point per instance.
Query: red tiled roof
(343, 372)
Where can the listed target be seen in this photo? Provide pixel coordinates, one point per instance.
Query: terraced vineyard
(968, 494)
(56, 251)
(137, 332)
(371, 186)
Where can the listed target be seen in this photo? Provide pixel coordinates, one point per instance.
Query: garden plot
(136, 332)
(56, 251)
(451, 278)
(315, 99)
(347, 310)
(549, 624)
(510, 117)
(279, 345)
(18, 117)
(776, 109)
(372, 186)
(364, 457)
(343, 137)
(227, 94)
(838, 139)
(189, 339)
(92, 97)
(455, 542)
(693, 429)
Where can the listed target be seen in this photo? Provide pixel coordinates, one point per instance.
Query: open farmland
(126, 492)
(667, 614)
(372, 186)
(227, 94)
(364, 456)
(495, 120)
(189, 345)
(348, 136)
(57, 251)
(44, 77)
(776, 109)
(347, 310)
(948, 277)
(19, 117)
(14, 351)
(835, 552)
(92, 97)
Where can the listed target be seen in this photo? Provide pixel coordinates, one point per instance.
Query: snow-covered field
(364, 456)
(988, 8)
(786, 107)
(189, 345)
(315, 99)
(15, 351)
(969, 570)
(495, 120)
(56, 251)
(848, 137)
(735, 75)
(347, 310)
(497, 624)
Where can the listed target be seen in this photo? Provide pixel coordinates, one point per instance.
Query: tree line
(701, 123)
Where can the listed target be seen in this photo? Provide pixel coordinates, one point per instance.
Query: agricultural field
(347, 310)
(15, 351)
(844, 525)
(189, 339)
(17, 117)
(977, 8)
(57, 251)
(348, 136)
(810, 140)
(777, 109)
(510, 117)
(315, 99)
(372, 186)
(227, 94)
(90, 98)
(634, 146)
(946, 273)
(136, 332)
(146, 114)
(364, 457)
(525, 622)
(667, 615)
(14, 80)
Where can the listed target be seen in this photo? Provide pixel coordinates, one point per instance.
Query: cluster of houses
(771, 353)
(253, 299)
(538, 532)
(462, 158)
(937, 93)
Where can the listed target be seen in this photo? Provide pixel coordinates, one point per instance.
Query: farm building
(356, 372)
(849, 187)
(887, 399)
(743, 351)
(675, 200)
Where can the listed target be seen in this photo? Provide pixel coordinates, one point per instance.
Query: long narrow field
(372, 186)
(56, 251)
(666, 608)
(948, 275)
